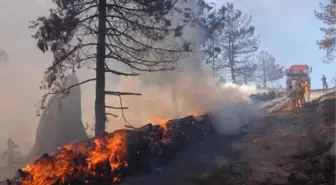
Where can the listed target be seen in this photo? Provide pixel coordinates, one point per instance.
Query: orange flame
(195, 114)
(159, 121)
(45, 170)
(113, 149)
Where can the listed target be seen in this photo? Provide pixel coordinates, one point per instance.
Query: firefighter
(299, 95)
(302, 93)
(291, 94)
(307, 88)
(294, 84)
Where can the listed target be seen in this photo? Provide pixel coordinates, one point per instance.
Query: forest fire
(196, 114)
(47, 169)
(160, 121)
(122, 153)
(164, 122)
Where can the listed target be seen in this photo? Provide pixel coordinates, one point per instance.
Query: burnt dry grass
(306, 158)
(195, 160)
(319, 170)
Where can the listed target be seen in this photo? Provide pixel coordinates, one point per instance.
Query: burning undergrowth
(115, 156)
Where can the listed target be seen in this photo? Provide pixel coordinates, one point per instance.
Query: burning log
(115, 156)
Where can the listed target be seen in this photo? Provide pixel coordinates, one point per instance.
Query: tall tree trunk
(100, 72)
(264, 73)
(245, 79)
(174, 99)
(233, 76)
(231, 50)
(213, 58)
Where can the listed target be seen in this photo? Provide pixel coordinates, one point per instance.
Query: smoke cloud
(189, 90)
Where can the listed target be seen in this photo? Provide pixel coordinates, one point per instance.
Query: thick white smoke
(190, 90)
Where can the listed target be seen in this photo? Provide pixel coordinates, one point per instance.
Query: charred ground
(282, 149)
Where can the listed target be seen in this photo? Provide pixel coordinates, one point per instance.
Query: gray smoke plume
(189, 90)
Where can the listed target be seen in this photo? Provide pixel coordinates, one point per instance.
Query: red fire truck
(297, 73)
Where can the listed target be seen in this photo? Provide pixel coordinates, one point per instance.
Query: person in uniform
(291, 94)
(299, 93)
(294, 84)
(307, 88)
(302, 93)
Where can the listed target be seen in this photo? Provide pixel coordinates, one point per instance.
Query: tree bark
(213, 58)
(100, 118)
(174, 99)
(233, 76)
(231, 51)
(245, 79)
(264, 73)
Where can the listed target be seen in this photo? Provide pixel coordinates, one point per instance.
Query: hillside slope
(282, 148)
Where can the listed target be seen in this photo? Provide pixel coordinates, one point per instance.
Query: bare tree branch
(110, 107)
(117, 93)
(112, 114)
(127, 123)
(65, 90)
(107, 69)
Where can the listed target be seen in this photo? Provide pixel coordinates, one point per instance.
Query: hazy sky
(287, 28)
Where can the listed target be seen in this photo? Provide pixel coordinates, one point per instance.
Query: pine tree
(11, 155)
(100, 32)
(328, 17)
(211, 21)
(247, 72)
(268, 69)
(235, 38)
